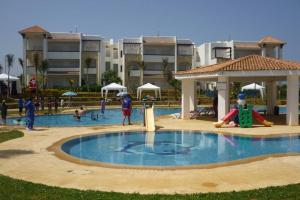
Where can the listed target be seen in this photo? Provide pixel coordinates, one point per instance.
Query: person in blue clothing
(20, 105)
(126, 108)
(30, 109)
(102, 105)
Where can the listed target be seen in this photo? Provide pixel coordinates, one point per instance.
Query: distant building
(66, 54)
(153, 54)
(136, 60)
(219, 51)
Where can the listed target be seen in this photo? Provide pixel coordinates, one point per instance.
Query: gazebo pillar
(188, 97)
(223, 97)
(292, 100)
(271, 96)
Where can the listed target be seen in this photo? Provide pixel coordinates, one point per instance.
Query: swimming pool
(175, 148)
(110, 117)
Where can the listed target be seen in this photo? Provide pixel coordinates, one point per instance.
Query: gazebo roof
(270, 40)
(247, 63)
(33, 29)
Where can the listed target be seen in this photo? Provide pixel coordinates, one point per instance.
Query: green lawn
(9, 135)
(16, 189)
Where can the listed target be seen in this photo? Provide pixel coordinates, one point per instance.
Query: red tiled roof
(270, 40)
(247, 63)
(33, 29)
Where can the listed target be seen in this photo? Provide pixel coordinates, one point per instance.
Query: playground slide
(149, 119)
(234, 112)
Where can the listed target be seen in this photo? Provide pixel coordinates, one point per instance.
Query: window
(115, 67)
(107, 66)
(121, 53)
(115, 54)
(121, 68)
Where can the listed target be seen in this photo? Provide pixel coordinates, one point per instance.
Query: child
(76, 116)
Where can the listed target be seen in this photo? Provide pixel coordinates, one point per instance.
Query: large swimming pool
(111, 116)
(175, 148)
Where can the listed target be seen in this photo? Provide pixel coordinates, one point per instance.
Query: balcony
(158, 58)
(63, 55)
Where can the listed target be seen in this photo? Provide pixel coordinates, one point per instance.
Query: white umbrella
(120, 94)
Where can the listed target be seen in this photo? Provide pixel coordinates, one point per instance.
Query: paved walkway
(27, 158)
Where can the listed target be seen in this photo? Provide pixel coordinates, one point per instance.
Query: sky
(198, 20)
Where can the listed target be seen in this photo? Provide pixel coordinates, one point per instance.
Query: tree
(22, 76)
(71, 82)
(169, 77)
(88, 62)
(142, 67)
(36, 62)
(9, 61)
(111, 76)
(43, 69)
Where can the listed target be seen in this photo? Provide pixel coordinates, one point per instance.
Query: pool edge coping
(59, 153)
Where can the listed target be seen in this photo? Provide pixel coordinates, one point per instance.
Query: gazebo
(4, 78)
(246, 69)
(148, 86)
(112, 86)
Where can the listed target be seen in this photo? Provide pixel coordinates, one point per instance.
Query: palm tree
(71, 82)
(9, 61)
(36, 62)
(166, 73)
(88, 62)
(22, 76)
(142, 67)
(43, 69)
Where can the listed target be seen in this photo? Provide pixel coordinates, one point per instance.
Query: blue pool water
(111, 116)
(174, 148)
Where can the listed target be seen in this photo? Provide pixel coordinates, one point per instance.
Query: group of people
(126, 110)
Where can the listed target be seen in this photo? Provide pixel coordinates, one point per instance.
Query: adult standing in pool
(102, 105)
(30, 113)
(3, 112)
(126, 108)
(20, 105)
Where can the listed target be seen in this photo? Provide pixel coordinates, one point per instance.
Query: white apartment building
(136, 60)
(153, 54)
(219, 51)
(66, 54)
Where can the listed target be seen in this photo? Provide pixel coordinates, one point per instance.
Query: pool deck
(28, 159)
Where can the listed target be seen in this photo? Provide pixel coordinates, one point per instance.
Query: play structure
(149, 118)
(245, 116)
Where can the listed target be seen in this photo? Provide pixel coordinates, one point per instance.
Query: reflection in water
(175, 148)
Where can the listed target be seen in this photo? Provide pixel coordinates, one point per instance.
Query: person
(30, 109)
(102, 105)
(126, 108)
(94, 117)
(20, 105)
(76, 116)
(49, 106)
(55, 105)
(215, 105)
(3, 112)
(37, 104)
(82, 111)
(62, 103)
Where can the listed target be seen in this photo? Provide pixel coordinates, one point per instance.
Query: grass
(9, 135)
(17, 189)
